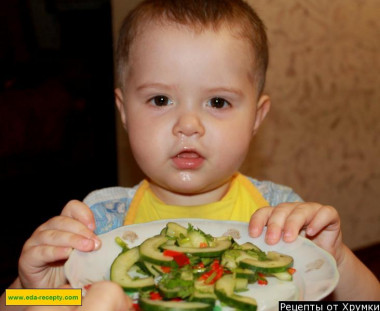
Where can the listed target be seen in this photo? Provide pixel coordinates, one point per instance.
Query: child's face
(190, 108)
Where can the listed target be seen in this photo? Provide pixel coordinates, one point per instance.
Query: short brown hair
(199, 14)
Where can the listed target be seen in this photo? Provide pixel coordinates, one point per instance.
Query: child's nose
(188, 124)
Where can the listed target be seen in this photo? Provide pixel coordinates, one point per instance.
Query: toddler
(190, 80)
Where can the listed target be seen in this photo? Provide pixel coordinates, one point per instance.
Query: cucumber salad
(185, 268)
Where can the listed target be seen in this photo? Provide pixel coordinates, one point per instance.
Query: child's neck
(184, 199)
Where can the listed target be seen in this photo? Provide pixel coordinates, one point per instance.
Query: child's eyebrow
(212, 90)
(155, 85)
(231, 90)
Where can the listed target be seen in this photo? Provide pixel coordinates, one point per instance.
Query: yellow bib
(239, 203)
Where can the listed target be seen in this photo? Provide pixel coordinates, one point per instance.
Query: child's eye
(218, 103)
(160, 101)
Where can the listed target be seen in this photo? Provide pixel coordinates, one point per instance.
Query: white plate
(316, 272)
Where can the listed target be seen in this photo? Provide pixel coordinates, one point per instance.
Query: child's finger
(64, 223)
(298, 219)
(63, 239)
(259, 220)
(38, 256)
(106, 295)
(328, 219)
(83, 239)
(81, 212)
(277, 221)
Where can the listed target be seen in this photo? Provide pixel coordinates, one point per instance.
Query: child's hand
(102, 296)
(321, 223)
(44, 253)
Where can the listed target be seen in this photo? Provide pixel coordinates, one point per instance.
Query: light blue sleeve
(275, 193)
(109, 206)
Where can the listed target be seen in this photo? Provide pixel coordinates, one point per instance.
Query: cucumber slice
(274, 263)
(168, 292)
(160, 305)
(200, 286)
(119, 272)
(224, 290)
(175, 230)
(197, 238)
(231, 258)
(149, 251)
(248, 274)
(205, 297)
(154, 270)
(283, 276)
(248, 246)
(216, 251)
(241, 285)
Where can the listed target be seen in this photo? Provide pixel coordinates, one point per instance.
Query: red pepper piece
(205, 275)
(262, 279)
(262, 282)
(215, 264)
(214, 274)
(165, 269)
(170, 253)
(217, 275)
(291, 271)
(155, 296)
(180, 258)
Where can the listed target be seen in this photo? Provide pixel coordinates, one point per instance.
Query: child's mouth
(188, 160)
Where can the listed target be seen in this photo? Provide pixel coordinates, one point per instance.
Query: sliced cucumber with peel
(216, 251)
(232, 257)
(175, 230)
(282, 276)
(150, 252)
(248, 274)
(224, 290)
(248, 246)
(274, 263)
(119, 272)
(199, 296)
(241, 285)
(154, 270)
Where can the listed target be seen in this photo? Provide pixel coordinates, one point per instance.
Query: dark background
(57, 117)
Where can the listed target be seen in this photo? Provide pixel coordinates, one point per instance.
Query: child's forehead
(195, 29)
(162, 32)
(170, 45)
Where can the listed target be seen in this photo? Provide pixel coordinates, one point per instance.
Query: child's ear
(263, 107)
(120, 105)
